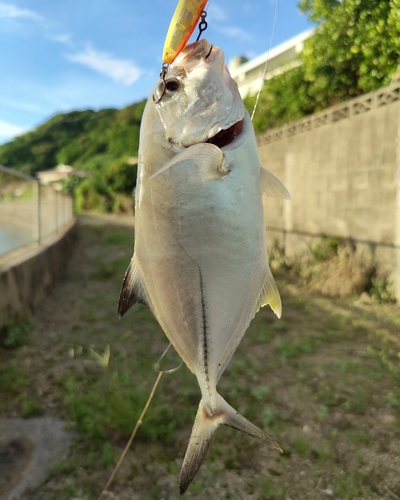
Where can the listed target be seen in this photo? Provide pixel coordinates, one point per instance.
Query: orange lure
(183, 22)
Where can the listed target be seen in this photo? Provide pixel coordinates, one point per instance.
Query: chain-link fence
(29, 211)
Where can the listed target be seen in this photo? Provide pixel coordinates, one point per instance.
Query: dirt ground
(324, 381)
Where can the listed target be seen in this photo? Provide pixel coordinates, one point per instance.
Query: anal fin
(270, 294)
(132, 290)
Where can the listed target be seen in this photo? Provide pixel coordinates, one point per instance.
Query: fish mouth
(226, 136)
(221, 139)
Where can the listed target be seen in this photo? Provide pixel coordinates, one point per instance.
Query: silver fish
(200, 259)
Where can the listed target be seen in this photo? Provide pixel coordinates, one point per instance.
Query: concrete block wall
(342, 168)
(28, 274)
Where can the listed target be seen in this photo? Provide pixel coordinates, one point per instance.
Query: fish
(200, 258)
(182, 25)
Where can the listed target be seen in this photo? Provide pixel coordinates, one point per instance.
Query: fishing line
(140, 419)
(266, 62)
(171, 370)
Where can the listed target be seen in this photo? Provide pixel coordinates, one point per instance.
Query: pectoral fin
(132, 290)
(270, 295)
(208, 158)
(272, 186)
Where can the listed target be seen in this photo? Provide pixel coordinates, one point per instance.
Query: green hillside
(100, 143)
(75, 138)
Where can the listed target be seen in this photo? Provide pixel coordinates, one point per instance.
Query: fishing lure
(182, 25)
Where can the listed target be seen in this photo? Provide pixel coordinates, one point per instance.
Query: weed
(301, 375)
(350, 486)
(381, 290)
(280, 326)
(359, 402)
(301, 447)
(15, 333)
(196, 487)
(322, 412)
(387, 357)
(263, 336)
(261, 392)
(351, 366)
(277, 259)
(358, 437)
(119, 237)
(327, 248)
(310, 344)
(265, 488)
(286, 348)
(31, 407)
(13, 379)
(393, 400)
(268, 490)
(267, 417)
(107, 270)
(107, 454)
(327, 396)
(104, 401)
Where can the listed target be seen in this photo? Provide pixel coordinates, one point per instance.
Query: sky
(59, 56)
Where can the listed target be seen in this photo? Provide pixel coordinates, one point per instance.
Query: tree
(355, 48)
(284, 98)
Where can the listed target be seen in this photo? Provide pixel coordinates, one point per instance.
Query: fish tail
(203, 432)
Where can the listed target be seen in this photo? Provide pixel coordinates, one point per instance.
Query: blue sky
(57, 56)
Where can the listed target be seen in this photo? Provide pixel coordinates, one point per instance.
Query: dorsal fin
(272, 186)
(132, 290)
(270, 295)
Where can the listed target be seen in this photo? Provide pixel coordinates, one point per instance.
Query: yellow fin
(270, 294)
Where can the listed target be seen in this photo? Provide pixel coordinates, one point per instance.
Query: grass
(323, 381)
(15, 333)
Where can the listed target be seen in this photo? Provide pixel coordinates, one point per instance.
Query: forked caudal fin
(204, 428)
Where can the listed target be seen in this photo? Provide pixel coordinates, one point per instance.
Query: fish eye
(172, 85)
(166, 87)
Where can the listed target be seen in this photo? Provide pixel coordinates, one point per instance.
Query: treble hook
(202, 25)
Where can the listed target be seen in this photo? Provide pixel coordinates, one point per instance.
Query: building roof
(248, 75)
(57, 174)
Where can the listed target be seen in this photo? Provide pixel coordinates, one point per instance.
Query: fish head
(197, 99)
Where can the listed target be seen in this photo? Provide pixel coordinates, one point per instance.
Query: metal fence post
(56, 210)
(39, 238)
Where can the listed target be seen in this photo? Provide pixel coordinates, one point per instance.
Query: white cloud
(234, 32)
(8, 130)
(65, 39)
(216, 12)
(119, 70)
(12, 11)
